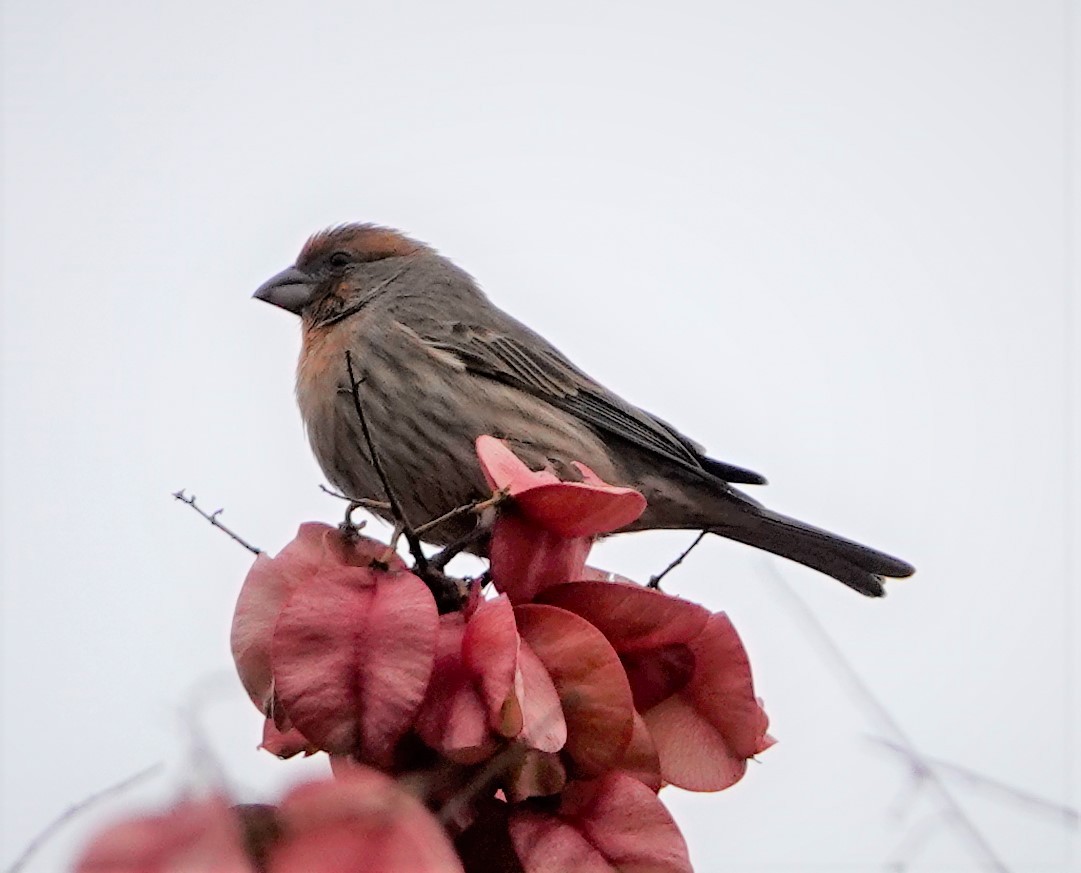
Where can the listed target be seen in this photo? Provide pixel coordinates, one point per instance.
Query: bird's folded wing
(544, 372)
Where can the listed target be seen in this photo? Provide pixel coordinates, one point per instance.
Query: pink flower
(545, 537)
(705, 733)
(488, 687)
(592, 686)
(200, 836)
(689, 675)
(335, 640)
(317, 547)
(607, 825)
(360, 822)
(543, 721)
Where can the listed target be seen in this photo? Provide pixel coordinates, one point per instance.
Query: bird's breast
(321, 367)
(425, 410)
(321, 379)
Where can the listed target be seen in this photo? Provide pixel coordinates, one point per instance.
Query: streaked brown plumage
(439, 365)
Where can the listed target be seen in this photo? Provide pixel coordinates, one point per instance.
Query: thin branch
(348, 526)
(447, 553)
(906, 796)
(1067, 815)
(913, 842)
(395, 506)
(859, 689)
(655, 581)
(484, 776)
(52, 827)
(212, 517)
(359, 502)
(477, 506)
(494, 767)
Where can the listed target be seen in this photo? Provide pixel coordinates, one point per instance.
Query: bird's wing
(541, 370)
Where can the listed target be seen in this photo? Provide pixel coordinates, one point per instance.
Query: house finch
(438, 365)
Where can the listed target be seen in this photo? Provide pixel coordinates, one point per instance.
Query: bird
(438, 364)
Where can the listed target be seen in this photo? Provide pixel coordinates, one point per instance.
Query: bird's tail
(858, 566)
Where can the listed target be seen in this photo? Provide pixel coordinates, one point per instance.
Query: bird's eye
(339, 259)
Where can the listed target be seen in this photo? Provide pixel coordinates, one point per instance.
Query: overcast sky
(828, 240)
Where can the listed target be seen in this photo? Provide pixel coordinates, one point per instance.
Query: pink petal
(453, 718)
(693, 754)
(490, 654)
(305, 551)
(592, 686)
(257, 607)
(460, 732)
(547, 844)
(285, 744)
(722, 687)
(526, 559)
(352, 656)
(641, 760)
(268, 584)
(358, 551)
(543, 725)
(632, 617)
(705, 733)
(591, 478)
(657, 674)
(580, 509)
(194, 835)
(265, 589)
(628, 824)
(504, 469)
(570, 509)
(614, 824)
(362, 822)
(649, 629)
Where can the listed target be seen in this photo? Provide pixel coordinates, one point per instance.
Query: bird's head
(334, 264)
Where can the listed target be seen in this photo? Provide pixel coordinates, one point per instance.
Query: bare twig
(444, 556)
(655, 581)
(912, 843)
(1067, 815)
(395, 507)
(212, 517)
(492, 769)
(477, 506)
(842, 667)
(348, 526)
(52, 827)
(484, 776)
(358, 502)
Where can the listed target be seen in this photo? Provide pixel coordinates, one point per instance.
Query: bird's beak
(291, 289)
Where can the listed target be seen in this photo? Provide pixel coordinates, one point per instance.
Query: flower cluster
(362, 822)
(535, 727)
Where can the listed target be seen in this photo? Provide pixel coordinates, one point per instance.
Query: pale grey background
(827, 239)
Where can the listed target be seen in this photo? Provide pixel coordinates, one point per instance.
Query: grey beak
(290, 289)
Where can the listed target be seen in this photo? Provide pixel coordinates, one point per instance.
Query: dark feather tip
(732, 473)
